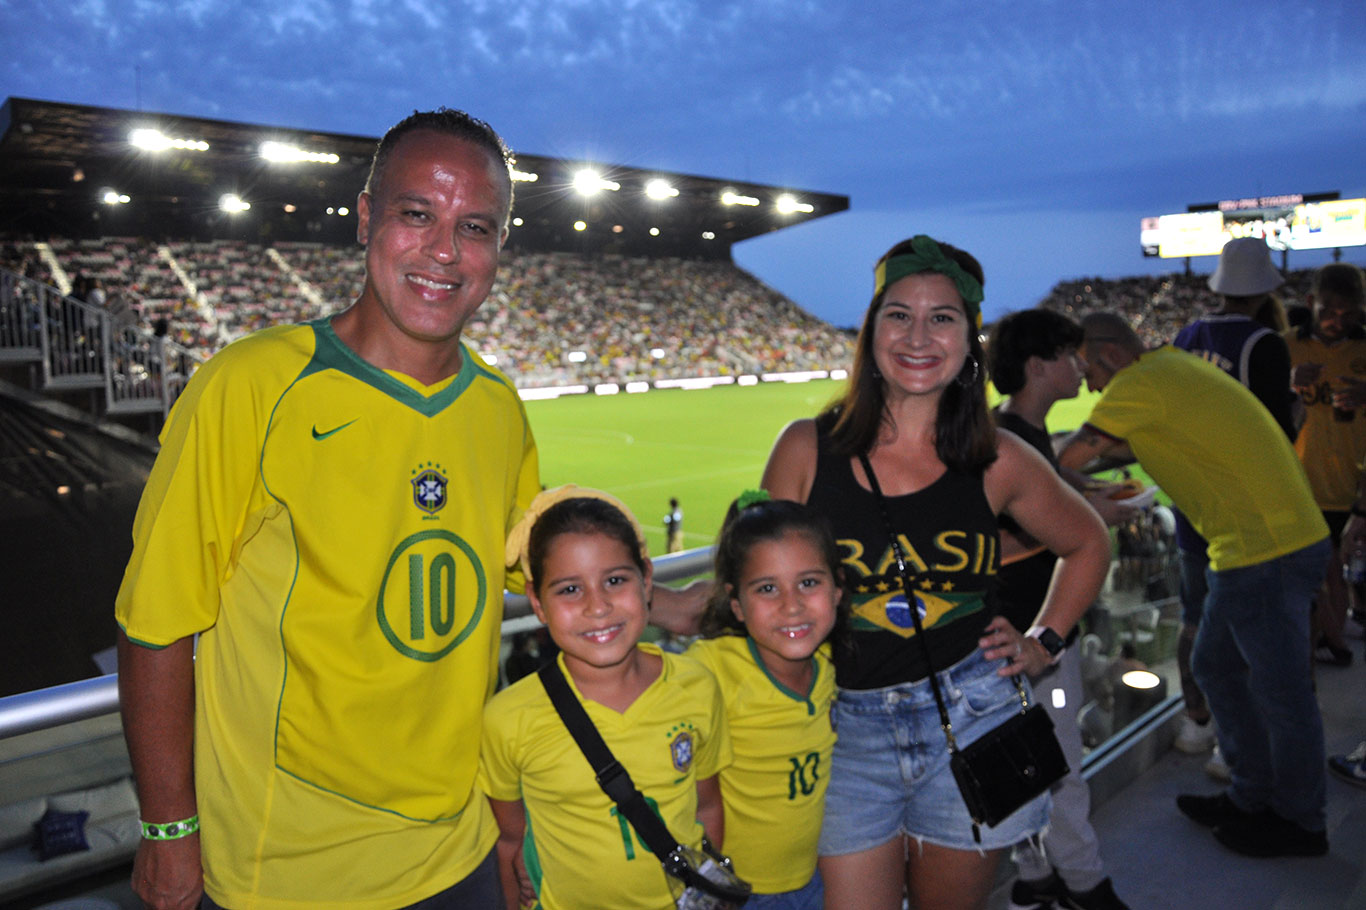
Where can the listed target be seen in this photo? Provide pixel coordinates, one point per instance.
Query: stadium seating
(552, 318)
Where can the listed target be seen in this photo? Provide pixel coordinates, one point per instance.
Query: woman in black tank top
(916, 405)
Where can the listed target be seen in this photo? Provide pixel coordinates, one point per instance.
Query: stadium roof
(58, 162)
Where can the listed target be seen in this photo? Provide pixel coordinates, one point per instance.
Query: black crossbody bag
(1008, 766)
(707, 880)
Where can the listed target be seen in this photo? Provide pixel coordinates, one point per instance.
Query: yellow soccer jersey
(581, 852)
(774, 791)
(1215, 449)
(335, 533)
(1330, 449)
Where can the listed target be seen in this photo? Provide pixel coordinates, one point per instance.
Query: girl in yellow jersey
(776, 599)
(563, 843)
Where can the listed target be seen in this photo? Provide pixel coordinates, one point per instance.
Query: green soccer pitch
(703, 446)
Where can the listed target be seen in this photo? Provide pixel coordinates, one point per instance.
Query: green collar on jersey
(331, 354)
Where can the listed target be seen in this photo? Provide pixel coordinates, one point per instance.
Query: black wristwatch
(1052, 642)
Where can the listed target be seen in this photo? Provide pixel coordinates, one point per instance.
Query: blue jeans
(1251, 658)
(1194, 590)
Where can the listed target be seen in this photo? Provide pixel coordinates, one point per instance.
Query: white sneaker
(1217, 768)
(1195, 737)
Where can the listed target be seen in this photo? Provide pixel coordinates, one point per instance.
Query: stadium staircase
(73, 354)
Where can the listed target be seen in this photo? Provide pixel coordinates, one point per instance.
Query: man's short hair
(1109, 328)
(451, 122)
(1020, 336)
(1341, 279)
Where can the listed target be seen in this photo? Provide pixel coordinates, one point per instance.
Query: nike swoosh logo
(321, 436)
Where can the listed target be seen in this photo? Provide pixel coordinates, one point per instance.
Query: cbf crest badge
(429, 488)
(680, 747)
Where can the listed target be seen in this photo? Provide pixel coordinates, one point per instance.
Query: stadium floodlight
(580, 225)
(660, 188)
(232, 203)
(589, 182)
(343, 211)
(708, 235)
(150, 140)
(516, 222)
(291, 208)
(113, 197)
(730, 197)
(787, 204)
(524, 176)
(654, 232)
(292, 154)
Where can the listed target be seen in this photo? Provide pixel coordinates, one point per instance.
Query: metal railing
(80, 346)
(43, 709)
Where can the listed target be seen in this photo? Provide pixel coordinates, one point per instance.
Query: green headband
(751, 498)
(926, 256)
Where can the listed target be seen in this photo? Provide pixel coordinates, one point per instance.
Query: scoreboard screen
(1284, 222)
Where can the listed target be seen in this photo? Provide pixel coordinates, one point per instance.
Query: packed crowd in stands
(552, 318)
(1157, 305)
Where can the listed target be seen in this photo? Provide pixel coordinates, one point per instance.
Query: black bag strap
(611, 774)
(909, 591)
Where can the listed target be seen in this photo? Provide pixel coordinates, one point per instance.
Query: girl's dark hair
(742, 529)
(581, 515)
(965, 437)
(1029, 333)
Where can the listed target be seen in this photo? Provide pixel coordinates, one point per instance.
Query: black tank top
(949, 534)
(1023, 585)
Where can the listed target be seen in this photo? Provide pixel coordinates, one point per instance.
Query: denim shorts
(890, 772)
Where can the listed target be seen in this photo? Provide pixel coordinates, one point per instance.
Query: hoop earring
(973, 379)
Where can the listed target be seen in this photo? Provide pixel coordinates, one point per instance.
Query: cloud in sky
(989, 108)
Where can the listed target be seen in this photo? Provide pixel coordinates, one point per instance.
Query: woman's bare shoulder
(791, 465)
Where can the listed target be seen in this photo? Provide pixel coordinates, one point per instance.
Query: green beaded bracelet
(171, 830)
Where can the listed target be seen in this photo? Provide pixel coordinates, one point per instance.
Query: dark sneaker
(1350, 767)
(1331, 655)
(1101, 897)
(1268, 834)
(1041, 894)
(1212, 811)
